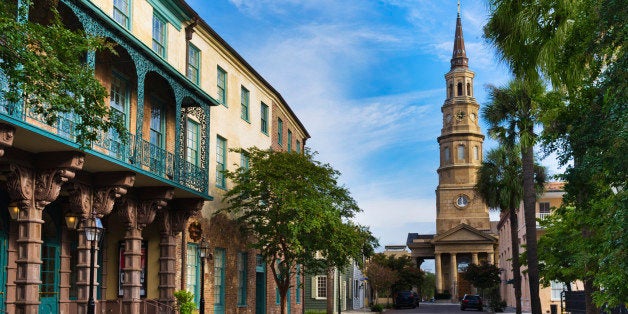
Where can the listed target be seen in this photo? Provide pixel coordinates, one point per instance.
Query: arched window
(447, 157)
(459, 89)
(468, 89)
(460, 152)
(451, 90)
(476, 153)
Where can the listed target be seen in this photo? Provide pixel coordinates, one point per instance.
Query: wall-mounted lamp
(71, 220)
(14, 210)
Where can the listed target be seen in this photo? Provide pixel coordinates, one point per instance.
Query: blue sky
(366, 78)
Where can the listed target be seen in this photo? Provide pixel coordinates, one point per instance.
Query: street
(430, 308)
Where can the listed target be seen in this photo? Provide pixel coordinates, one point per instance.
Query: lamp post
(204, 254)
(93, 232)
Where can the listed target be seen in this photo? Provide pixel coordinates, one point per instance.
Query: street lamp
(204, 254)
(71, 220)
(93, 232)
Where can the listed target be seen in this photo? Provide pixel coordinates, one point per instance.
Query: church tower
(460, 146)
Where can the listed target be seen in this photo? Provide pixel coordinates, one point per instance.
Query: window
(319, 287)
(221, 161)
(279, 132)
(244, 160)
(121, 12)
(468, 89)
(242, 261)
(476, 153)
(194, 64)
(119, 103)
(460, 152)
(157, 123)
(192, 147)
(298, 146)
(244, 101)
(159, 35)
(289, 140)
(222, 86)
(192, 283)
(447, 154)
(219, 277)
(459, 89)
(264, 118)
(557, 288)
(451, 90)
(544, 210)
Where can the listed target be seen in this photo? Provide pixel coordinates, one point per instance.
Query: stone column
(491, 258)
(474, 258)
(173, 220)
(137, 213)
(439, 273)
(454, 277)
(32, 190)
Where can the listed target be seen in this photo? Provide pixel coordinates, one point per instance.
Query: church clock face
(462, 201)
(460, 115)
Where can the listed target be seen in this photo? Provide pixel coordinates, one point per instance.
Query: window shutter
(314, 287)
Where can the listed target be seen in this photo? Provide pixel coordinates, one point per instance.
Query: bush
(377, 308)
(497, 305)
(185, 301)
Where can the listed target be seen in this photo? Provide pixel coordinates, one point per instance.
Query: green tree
(408, 274)
(293, 207)
(512, 113)
(43, 63)
(380, 278)
(500, 185)
(428, 286)
(483, 275)
(580, 47)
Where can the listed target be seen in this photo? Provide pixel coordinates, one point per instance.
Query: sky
(366, 78)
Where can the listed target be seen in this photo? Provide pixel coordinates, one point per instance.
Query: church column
(439, 273)
(491, 258)
(474, 258)
(173, 220)
(454, 277)
(137, 213)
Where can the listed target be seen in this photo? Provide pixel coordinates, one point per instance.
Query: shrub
(497, 305)
(377, 308)
(185, 301)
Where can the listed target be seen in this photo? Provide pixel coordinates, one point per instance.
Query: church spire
(459, 56)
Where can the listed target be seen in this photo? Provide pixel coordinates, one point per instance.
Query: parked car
(471, 301)
(406, 299)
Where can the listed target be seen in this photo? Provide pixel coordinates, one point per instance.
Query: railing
(541, 216)
(137, 152)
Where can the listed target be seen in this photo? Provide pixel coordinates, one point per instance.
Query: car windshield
(472, 297)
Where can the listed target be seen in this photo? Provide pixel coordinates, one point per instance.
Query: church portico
(463, 228)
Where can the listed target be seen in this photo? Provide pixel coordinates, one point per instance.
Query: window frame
(241, 264)
(220, 257)
(279, 132)
(317, 287)
(161, 105)
(163, 44)
(194, 125)
(221, 162)
(117, 12)
(221, 78)
(298, 146)
(289, 140)
(245, 97)
(264, 118)
(194, 68)
(196, 268)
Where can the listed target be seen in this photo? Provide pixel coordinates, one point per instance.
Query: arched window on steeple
(468, 89)
(459, 89)
(451, 90)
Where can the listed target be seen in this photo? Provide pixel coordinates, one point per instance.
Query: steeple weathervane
(459, 57)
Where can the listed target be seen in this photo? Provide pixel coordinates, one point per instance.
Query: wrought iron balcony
(136, 154)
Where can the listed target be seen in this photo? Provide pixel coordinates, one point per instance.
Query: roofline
(231, 50)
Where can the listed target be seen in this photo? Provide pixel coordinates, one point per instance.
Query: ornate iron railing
(136, 152)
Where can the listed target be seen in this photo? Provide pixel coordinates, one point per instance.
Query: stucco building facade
(187, 98)
(463, 229)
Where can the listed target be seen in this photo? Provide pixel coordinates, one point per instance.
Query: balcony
(136, 155)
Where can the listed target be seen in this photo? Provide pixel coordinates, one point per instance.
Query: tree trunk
(516, 266)
(330, 291)
(529, 205)
(589, 288)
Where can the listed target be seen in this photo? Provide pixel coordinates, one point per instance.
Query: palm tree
(500, 185)
(512, 114)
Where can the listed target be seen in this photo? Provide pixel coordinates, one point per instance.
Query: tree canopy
(296, 213)
(43, 64)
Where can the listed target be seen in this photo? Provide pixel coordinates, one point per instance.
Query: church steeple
(459, 56)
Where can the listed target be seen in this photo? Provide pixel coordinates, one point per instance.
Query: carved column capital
(20, 182)
(80, 199)
(108, 187)
(139, 211)
(55, 169)
(174, 217)
(7, 133)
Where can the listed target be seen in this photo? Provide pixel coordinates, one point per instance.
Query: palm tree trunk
(529, 205)
(516, 266)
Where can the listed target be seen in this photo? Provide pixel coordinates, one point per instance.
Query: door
(219, 281)
(260, 285)
(49, 271)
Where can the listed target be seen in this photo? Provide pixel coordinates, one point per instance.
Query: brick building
(187, 98)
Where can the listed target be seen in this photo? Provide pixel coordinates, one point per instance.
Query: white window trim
(315, 295)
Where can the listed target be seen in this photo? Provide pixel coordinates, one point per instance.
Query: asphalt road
(429, 308)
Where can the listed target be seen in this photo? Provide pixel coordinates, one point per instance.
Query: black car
(471, 301)
(406, 299)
